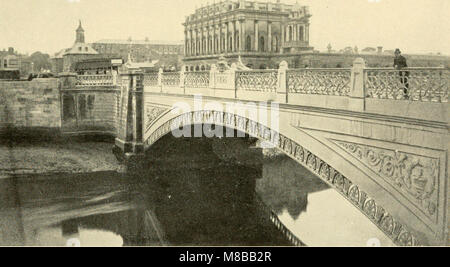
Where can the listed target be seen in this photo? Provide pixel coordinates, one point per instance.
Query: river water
(212, 205)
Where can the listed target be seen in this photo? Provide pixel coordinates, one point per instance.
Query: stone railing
(319, 81)
(414, 84)
(197, 79)
(94, 80)
(361, 89)
(151, 79)
(170, 79)
(257, 80)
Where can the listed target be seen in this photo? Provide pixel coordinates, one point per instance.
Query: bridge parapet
(95, 80)
(422, 84)
(360, 89)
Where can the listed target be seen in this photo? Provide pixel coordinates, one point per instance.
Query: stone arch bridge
(384, 150)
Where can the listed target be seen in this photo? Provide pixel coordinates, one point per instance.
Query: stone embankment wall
(51, 107)
(30, 105)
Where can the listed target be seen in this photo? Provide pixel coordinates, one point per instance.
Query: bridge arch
(163, 123)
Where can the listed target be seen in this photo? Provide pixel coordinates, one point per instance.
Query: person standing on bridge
(400, 63)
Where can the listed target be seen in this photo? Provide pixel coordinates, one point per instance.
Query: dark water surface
(206, 203)
(202, 207)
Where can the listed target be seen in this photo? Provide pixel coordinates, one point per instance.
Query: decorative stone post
(282, 90)
(160, 72)
(357, 94)
(232, 78)
(67, 80)
(182, 77)
(212, 76)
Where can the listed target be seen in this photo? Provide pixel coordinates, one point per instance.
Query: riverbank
(74, 155)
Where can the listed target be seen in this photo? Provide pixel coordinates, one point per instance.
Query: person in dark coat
(400, 63)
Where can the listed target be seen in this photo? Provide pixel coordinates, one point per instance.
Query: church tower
(80, 34)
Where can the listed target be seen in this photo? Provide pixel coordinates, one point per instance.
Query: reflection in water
(312, 210)
(212, 203)
(193, 207)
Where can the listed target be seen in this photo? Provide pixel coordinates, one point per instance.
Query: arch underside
(399, 234)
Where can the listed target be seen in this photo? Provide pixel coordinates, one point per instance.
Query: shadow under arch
(397, 232)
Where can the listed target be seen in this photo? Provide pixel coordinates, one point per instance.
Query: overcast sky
(415, 26)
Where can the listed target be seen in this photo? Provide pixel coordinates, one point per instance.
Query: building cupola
(80, 34)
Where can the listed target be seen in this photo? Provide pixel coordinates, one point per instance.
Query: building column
(213, 40)
(283, 39)
(207, 41)
(202, 46)
(191, 47)
(226, 37)
(195, 42)
(233, 36)
(208, 36)
(295, 32)
(256, 36)
(269, 36)
(306, 33)
(242, 37)
(185, 42)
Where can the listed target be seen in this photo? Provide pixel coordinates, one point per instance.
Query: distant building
(105, 65)
(143, 51)
(10, 60)
(260, 33)
(369, 50)
(64, 61)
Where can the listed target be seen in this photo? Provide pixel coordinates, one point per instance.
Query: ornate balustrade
(319, 81)
(421, 84)
(171, 79)
(94, 80)
(257, 80)
(151, 79)
(197, 79)
(415, 84)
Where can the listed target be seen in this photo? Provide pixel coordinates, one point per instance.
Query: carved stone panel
(414, 176)
(151, 113)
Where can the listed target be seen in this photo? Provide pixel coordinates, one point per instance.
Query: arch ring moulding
(368, 206)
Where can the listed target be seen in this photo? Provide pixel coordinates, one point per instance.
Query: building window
(230, 44)
(275, 44)
(261, 44)
(301, 33)
(68, 107)
(290, 33)
(248, 43)
(90, 102)
(82, 106)
(237, 42)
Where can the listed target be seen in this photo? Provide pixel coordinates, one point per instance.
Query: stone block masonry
(91, 110)
(52, 107)
(30, 104)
